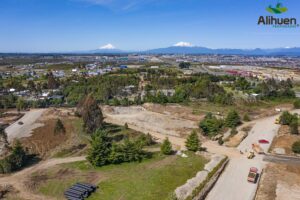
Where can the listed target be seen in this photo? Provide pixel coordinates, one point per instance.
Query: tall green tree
(193, 143)
(99, 154)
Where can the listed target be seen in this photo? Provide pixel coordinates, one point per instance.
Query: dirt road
(15, 130)
(18, 179)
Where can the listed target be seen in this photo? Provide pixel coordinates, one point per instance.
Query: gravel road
(29, 120)
(233, 184)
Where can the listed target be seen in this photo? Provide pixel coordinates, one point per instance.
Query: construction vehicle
(253, 175)
(257, 149)
(250, 155)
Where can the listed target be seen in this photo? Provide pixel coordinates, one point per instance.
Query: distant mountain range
(203, 50)
(109, 49)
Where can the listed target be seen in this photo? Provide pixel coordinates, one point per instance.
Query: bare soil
(284, 140)
(279, 182)
(158, 125)
(45, 142)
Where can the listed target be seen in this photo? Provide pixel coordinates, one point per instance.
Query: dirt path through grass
(18, 179)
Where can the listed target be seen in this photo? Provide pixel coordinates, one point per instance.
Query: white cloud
(118, 5)
(183, 44)
(107, 46)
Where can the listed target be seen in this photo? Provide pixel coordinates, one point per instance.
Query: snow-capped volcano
(183, 44)
(107, 46)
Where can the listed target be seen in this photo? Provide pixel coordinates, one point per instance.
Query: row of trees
(192, 143)
(103, 87)
(104, 151)
(203, 88)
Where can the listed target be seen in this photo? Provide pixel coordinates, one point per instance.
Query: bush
(296, 147)
(233, 119)
(126, 126)
(192, 143)
(233, 131)
(297, 104)
(210, 125)
(59, 127)
(145, 140)
(294, 127)
(246, 118)
(220, 141)
(16, 160)
(166, 147)
(287, 118)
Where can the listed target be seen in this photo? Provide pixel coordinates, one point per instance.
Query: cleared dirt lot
(284, 141)
(158, 124)
(279, 182)
(17, 131)
(45, 142)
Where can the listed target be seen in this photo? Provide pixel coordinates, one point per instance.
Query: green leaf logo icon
(278, 9)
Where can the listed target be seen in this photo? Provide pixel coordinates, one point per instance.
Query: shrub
(286, 118)
(59, 127)
(166, 147)
(220, 141)
(126, 126)
(145, 140)
(233, 131)
(14, 161)
(233, 119)
(296, 147)
(297, 104)
(192, 143)
(210, 125)
(294, 127)
(246, 118)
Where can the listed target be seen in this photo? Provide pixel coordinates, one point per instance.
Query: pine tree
(233, 119)
(192, 143)
(166, 147)
(99, 154)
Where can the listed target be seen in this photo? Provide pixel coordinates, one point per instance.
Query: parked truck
(253, 175)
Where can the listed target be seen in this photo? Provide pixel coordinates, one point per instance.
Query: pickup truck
(253, 175)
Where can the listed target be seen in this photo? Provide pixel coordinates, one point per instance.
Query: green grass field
(151, 179)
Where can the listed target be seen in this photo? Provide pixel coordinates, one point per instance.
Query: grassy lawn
(154, 178)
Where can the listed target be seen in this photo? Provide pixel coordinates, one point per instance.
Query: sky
(71, 25)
